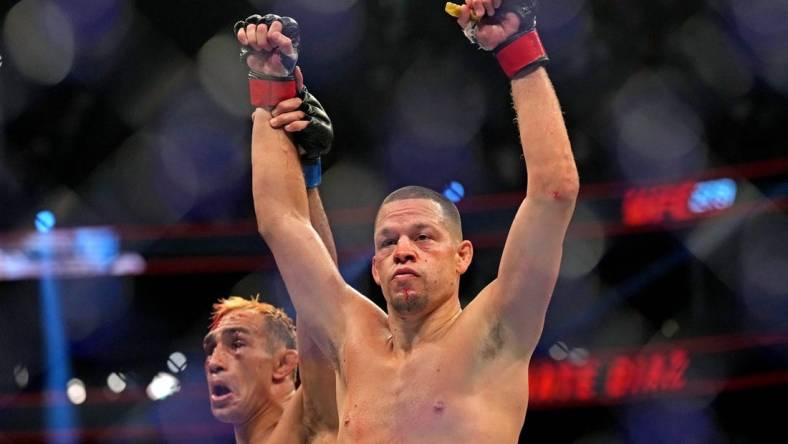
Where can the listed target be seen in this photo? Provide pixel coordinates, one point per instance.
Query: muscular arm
(532, 254)
(282, 209)
(317, 372)
(513, 307)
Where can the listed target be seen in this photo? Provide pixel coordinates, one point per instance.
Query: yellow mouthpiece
(453, 9)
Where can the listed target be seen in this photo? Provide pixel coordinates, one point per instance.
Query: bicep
(529, 268)
(313, 282)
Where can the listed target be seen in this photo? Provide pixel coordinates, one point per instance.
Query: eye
(422, 237)
(387, 243)
(208, 349)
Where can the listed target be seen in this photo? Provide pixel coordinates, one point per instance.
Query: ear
(464, 256)
(284, 365)
(375, 274)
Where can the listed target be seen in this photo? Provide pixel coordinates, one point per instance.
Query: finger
(262, 38)
(489, 8)
(286, 106)
(275, 37)
(497, 3)
(242, 37)
(299, 76)
(251, 36)
(281, 42)
(288, 118)
(478, 8)
(296, 126)
(465, 16)
(276, 26)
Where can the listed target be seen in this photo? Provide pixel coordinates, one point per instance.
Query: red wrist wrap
(521, 53)
(267, 93)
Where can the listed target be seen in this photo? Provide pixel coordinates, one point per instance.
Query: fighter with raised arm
(430, 371)
(252, 348)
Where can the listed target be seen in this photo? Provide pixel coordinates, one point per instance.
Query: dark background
(133, 118)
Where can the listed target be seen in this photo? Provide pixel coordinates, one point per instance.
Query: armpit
(493, 341)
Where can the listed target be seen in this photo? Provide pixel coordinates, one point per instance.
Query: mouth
(404, 273)
(220, 392)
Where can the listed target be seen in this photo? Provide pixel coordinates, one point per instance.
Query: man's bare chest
(427, 391)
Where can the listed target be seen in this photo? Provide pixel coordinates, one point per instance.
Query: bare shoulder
(290, 428)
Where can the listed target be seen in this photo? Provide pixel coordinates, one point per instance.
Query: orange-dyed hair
(277, 326)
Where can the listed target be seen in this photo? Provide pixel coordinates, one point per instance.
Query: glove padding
(522, 52)
(266, 89)
(315, 140)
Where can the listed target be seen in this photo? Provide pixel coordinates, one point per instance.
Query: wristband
(268, 92)
(312, 173)
(524, 52)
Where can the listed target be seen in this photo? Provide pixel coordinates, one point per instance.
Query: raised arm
(529, 266)
(317, 371)
(310, 127)
(279, 189)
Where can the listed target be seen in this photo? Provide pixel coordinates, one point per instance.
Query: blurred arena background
(125, 204)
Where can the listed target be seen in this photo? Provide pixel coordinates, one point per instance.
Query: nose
(404, 251)
(215, 362)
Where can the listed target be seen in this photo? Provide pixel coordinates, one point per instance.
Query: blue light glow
(454, 192)
(45, 221)
(712, 195)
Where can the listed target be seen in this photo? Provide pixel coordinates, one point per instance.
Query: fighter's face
(238, 367)
(417, 260)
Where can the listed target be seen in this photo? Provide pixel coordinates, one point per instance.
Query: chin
(227, 415)
(410, 305)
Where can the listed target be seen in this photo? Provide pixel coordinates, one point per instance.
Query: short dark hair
(448, 208)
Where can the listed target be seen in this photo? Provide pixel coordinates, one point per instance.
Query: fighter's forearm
(277, 180)
(548, 155)
(317, 215)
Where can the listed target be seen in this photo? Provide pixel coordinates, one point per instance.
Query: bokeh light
(45, 221)
(719, 60)
(764, 263)
(49, 57)
(658, 133)
(177, 362)
(440, 104)
(223, 75)
(585, 247)
(116, 382)
(559, 351)
(21, 376)
(162, 386)
(76, 391)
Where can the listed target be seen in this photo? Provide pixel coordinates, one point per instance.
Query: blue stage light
(45, 221)
(454, 192)
(713, 195)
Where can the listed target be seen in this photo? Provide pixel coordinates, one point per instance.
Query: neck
(408, 331)
(260, 426)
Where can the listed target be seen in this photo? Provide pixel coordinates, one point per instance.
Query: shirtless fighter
(430, 371)
(251, 353)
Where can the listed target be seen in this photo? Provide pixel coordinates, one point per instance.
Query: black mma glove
(522, 52)
(271, 78)
(315, 140)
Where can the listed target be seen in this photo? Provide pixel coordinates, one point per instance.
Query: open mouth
(220, 392)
